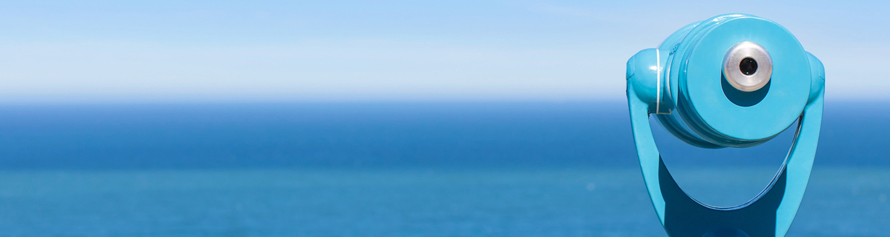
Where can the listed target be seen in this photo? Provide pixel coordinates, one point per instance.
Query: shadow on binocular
(722, 177)
(741, 98)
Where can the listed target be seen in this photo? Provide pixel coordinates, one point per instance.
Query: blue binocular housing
(684, 81)
(730, 81)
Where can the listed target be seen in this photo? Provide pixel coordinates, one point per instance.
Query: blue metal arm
(768, 214)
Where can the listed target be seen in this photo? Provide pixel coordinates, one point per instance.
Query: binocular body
(730, 81)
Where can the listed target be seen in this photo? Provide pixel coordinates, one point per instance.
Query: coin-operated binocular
(729, 81)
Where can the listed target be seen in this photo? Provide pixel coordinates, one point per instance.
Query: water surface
(397, 169)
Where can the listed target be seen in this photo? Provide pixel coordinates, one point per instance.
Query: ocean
(399, 169)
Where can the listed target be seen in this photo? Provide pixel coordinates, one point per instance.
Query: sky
(194, 51)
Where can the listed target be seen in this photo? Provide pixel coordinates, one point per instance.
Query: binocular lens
(748, 66)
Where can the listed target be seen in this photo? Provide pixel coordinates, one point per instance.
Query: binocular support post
(769, 214)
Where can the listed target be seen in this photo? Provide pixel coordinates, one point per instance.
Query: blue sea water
(398, 169)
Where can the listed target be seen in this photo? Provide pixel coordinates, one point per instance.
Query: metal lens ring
(747, 66)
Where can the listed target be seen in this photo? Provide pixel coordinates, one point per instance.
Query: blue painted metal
(681, 83)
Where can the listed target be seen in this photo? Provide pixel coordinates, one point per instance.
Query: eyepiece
(747, 66)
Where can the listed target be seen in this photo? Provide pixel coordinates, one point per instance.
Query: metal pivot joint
(730, 81)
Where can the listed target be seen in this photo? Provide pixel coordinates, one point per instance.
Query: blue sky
(162, 51)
